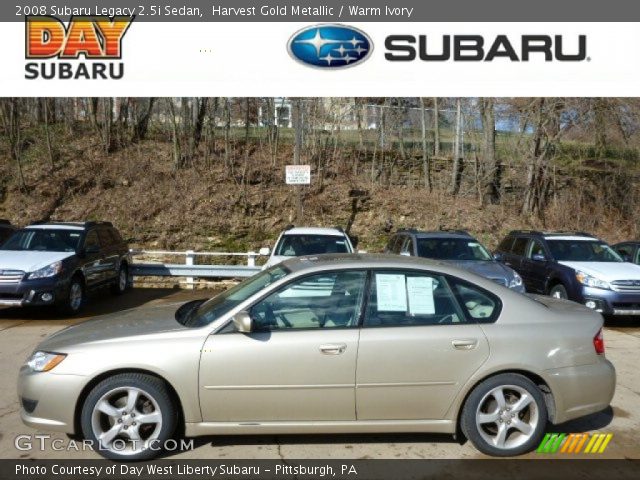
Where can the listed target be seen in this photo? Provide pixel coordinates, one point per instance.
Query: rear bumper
(610, 302)
(581, 390)
(30, 292)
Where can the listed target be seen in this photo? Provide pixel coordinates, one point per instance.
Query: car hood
(116, 327)
(608, 271)
(27, 261)
(488, 269)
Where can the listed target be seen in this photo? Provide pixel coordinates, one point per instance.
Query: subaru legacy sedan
(326, 344)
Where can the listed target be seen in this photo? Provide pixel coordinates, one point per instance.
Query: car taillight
(598, 343)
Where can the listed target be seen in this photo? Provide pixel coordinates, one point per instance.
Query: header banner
(332, 10)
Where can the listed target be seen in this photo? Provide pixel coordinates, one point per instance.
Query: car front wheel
(558, 291)
(74, 301)
(121, 283)
(129, 417)
(505, 416)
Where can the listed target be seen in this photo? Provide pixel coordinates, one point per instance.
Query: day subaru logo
(330, 46)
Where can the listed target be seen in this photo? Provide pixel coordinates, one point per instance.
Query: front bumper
(40, 292)
(581, 390)
(48, 401)
(610, 302)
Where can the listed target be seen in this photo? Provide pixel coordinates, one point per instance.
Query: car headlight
(516, 281)
(48, 271)
(589, 281)
(44, 361)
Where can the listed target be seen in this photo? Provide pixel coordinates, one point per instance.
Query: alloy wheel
(126, 420)
(507, 417)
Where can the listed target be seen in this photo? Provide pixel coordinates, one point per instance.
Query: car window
(298, 245)
(325, 300)
(92, 240)
(452, 249)
(519, 246)
(407, 298)
(221, 304)
(505, 245)
(396, 244)
(4, 234)
(407, 246)
(41, 240)
(625, 250)
(105, 239)
(391, 244)
(637, 259)
(479, 304)
(582, 251)
(115, 236)
(535, 248)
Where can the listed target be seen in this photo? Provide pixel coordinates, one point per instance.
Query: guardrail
(189, 269)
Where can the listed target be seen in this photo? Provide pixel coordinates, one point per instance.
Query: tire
(558, 291)
(108, 409)
(75, 299)
(121, 283)
(484, 420)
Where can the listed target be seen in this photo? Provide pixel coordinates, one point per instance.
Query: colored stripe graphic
(573, 443)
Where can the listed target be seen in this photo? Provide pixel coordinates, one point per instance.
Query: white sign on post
(298, 174)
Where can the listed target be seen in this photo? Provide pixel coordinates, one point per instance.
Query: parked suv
(577, 266)
(455, 247)
(299, 241)
(629, 251)
(6, 230)
(56, 263)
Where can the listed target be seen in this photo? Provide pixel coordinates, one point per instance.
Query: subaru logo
(330, 46)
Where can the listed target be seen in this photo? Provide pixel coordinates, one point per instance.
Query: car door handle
(466, 344)
(333, 348)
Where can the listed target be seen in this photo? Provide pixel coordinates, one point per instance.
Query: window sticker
(391, 292)
(420, 291)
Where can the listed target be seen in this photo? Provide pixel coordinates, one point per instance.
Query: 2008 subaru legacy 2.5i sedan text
(340, 343)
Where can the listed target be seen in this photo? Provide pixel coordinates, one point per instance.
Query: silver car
(327, 344)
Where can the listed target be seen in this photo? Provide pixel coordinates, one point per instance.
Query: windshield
(298, 245)
(223, 303)
(44, 241)
(452, 249)
(582, 251)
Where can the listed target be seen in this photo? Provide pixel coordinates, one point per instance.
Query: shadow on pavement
(102, 302)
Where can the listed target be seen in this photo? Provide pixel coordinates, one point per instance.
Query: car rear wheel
(73, 303)
(121, 283)
(505, 416)
(129, 417)
(558, 291)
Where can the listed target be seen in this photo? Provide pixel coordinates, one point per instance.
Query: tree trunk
(489, 171)
(425, 155)
(436, 126)
(456, 174)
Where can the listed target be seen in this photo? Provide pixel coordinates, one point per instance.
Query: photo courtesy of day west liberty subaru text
(88, 48)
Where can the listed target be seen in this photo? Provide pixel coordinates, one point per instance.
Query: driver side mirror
(242, 322)
(264, 251)
(497, 257)
(538, 257)
(625, 257)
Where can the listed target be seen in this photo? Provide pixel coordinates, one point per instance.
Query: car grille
(500, 281)
(8, 277)
(629, 286)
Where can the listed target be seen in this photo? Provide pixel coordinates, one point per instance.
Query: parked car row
(55, 264)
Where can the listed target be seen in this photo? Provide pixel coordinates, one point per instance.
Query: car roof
(358, 260)
(570, 237)
(438, 234)
(314, 231)
(57, 226)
